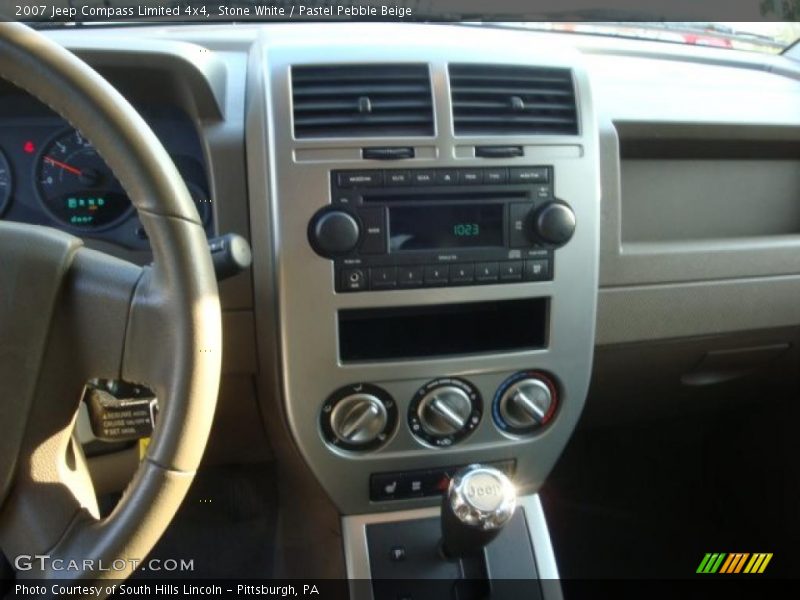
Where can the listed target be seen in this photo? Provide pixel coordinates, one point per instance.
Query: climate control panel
(443, 412)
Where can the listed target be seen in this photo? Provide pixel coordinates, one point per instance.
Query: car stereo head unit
(389, 229)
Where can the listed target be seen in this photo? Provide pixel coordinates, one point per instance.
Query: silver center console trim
(307, 305)
(356, 552)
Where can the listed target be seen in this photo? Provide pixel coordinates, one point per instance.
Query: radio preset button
(436, 275)
(423, 177)
(374, 233)
(470, 176)
(410, 276)
(537, 270)
(462, 273)
(383, 278)
(360, 178)
(528, 175)
(400, 178)
(495, 175)
(446, 177)
(511, 270)
(486, 272)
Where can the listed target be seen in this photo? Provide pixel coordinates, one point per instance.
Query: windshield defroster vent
(509, 100)
(362, 101)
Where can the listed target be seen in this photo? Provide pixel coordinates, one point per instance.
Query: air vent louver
(362, 101)
(508, 100)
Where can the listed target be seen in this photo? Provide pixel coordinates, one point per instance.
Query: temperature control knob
(333, 232)
(525, 402)
(358, 417)
(444, 411)
(553, 223)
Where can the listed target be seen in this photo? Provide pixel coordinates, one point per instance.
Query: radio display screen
(445, 226)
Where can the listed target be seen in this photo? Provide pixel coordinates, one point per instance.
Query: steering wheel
(69, 314)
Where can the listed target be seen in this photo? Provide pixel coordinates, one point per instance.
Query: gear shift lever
(479, 502)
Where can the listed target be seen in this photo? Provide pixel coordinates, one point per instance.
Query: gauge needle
(62, 165)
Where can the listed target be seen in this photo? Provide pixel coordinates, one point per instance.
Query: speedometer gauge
(5, 182)
(76, 186)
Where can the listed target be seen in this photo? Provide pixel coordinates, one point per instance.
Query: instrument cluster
(50, 174)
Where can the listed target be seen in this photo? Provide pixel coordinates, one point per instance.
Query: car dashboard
(459, 234)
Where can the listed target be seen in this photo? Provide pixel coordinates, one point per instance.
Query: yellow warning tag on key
(143, 444)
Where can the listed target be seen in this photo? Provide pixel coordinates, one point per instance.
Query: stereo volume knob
(333, 232)
(554, 223)
(525, 402)
(358, 417)
(444, 411)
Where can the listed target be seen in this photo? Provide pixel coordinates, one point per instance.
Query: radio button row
(443, 275)
(461, 176)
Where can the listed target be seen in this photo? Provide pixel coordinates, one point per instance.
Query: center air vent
(362, 101)
(508, 100)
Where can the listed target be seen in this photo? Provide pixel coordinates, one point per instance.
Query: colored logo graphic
(737, 562)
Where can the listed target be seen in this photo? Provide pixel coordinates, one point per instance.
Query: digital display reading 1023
(442, 227)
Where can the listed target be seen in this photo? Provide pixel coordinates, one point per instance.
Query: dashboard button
(462, 273)
(360, 179)
(495, 176)
(436, 275)
(486, 272)
(399, 178)
(410, 276)
(353, 280)
(518, 224)
(537, 270)
(511, 270)
(385, 486)
(423, 177)
(374, 231)
(470, 176)
(528, 175)
(446, 177)
(383, 278)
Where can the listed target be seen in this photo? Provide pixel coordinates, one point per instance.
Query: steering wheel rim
(106, 318)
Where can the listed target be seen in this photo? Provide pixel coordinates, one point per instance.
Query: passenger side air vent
(508, 100)
(362, 101)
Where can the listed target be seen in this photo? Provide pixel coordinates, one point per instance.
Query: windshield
(771, 37)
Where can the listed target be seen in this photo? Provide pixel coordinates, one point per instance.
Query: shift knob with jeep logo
(479, 502)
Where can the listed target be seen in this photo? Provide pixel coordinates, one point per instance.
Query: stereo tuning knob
(358, 417)
(525, 402)
(444, 411)
(333, 232)
(554, 223)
